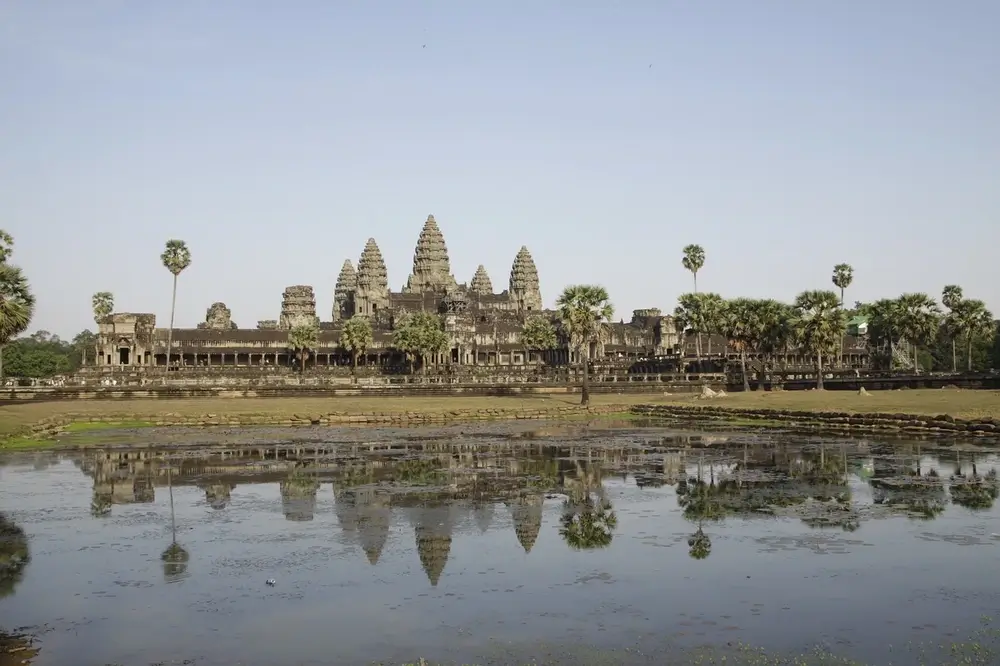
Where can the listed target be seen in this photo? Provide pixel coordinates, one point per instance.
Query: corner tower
(431, 267)
(524, 289)
(372, 292)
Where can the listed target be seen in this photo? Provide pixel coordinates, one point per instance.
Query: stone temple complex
(484, 327)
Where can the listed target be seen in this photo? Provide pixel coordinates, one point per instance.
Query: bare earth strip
(967, 404)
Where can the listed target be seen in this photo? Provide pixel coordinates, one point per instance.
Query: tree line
(910, 329)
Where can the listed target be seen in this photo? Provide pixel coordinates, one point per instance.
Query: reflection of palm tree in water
(588, 519)
(974, 491)
(175, 558)
(921, 495)
(14, 555)
(699, 500)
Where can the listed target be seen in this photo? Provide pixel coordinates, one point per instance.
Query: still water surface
(489, 544)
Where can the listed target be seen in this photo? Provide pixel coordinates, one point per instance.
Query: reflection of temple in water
(364, 515)
(526, 513)
(432, 526)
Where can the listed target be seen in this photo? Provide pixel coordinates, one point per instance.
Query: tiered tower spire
(431, 267)
(524, 282)
(372, 292)
(343, 293)
(481, 283)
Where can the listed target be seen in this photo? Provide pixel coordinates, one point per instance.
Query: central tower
(431, 267)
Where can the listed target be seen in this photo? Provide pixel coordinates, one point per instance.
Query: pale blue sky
(276, 137)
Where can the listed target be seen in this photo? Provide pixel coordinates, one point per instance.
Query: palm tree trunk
(916, 364)
(743, 363)
(695, 274)
(969, 357)
(954, 357)
(585, 389)
(697, 351)
(1, 361)
(423, 364)
(819, 371)
(354, 367)
(170, 331)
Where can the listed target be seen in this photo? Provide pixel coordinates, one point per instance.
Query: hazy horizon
(275, 138)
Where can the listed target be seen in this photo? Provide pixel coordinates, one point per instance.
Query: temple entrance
(123, 356)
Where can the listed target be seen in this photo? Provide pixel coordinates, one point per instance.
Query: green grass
(87, 426)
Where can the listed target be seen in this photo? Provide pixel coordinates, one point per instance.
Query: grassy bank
(16, 420)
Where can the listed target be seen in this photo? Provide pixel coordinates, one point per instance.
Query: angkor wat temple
(484, 327)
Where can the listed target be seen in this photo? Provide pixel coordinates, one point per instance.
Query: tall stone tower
(343, 293)
(481, 283)
(431, 267)
(372, 293)
(524, 289)
(298, 307)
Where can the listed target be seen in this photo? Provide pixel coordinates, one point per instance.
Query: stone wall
(913, 424)
(49, 394)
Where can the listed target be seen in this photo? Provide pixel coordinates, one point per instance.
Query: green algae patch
(91, 426)
(26, 443)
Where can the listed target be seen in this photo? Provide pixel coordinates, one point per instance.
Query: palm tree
(17, 305)
(698, 314)
(843, 276)
(356, 338)
(103, 304)
(885, 327)
(176, 257)
(694, 259)
(301, 340)
(583, 311)
(819, 323)
(776, 332)
(951, 296)
(537, 335)
(919, 316)
(743, 326)
(972, 320)
(6, 246)
(588, 519)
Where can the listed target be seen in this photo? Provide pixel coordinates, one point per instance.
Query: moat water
(495, 544)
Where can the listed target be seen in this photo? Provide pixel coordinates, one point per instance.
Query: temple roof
(481, 283)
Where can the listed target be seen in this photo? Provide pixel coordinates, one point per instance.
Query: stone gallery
(484, 328)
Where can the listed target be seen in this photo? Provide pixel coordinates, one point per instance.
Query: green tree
(972, 321)
(584, 310)
(693, 260)
(819, 323)
(175, 258)
(17, 305)
(301, 340)
(40, 355)
(538, 335)
(420, 334)
(843, 276)
(743, 326)
(777, 332)
(951, 296)
(6, 246)
(103, 304)
(919, 321)
(698, 314)
(357, 338)
(82, 342)
(885, 329)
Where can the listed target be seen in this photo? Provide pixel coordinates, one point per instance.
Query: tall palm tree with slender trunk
(103, 304)
(176, 257)
(819, 323)
(972, 321)
(919, 319)
(584, 310)
(843, 276)
(17, 305)
(743, 326)
(694, 259)
(951, 296)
